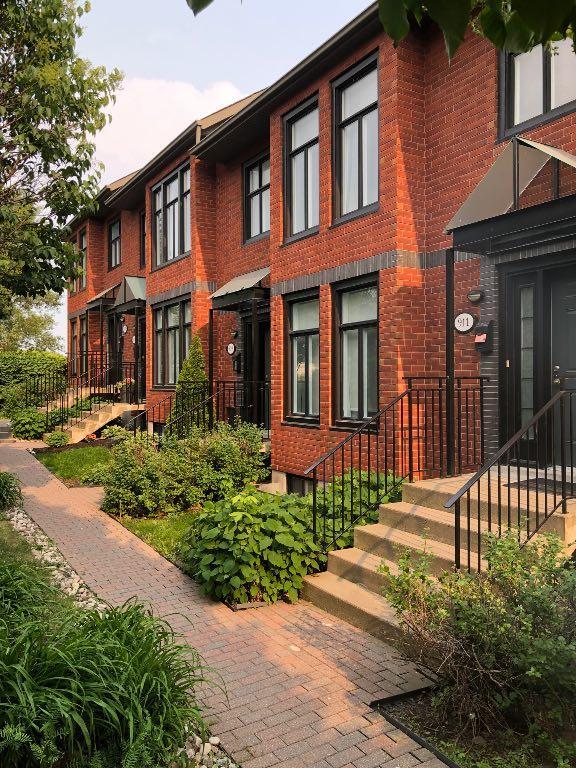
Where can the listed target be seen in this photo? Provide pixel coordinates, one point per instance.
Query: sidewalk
(299, 681)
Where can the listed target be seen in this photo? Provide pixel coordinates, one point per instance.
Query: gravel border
(207, 754)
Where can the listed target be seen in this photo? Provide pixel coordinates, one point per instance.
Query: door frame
(540, 273)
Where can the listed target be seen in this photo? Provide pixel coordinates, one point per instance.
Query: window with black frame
(302, 174)
(356, 139)
(142, 239)
(114, 250)
(358, 364)
(172, 332)
(171, 217)
(83, 261)
(540, 83)
(304, 319)
(257, 198)
(83, 345)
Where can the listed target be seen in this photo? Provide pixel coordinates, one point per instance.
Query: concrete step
(391, 544)
(352, 603)
(429, 523)
(360, 567)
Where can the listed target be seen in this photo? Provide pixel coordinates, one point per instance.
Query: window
(171, 217)
(302, 174)
(356, 140)
(257, 198)
(82, 261)
(142, 239)
(304, 358)
(539, 83)
(83, 344)
(114, 254)
(73, 346)
(172, 330)
(359, 352)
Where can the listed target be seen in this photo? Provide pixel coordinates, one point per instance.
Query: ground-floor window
(304, 318)
(83, 344)
(172, 331)
(358, 352)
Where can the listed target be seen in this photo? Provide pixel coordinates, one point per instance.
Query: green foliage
(74, 464)
(16, 367)
(82, 689)
(52, 104)
(252, 546)
(28, 424)
(352, 499)
(115, 432)
(161, 533)
(10, 493)
(503, 644)
(194, 368)
(145, 480)
(513, 25)
(30, 323)
(57, 439)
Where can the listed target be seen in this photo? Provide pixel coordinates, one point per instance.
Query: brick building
(310, 234)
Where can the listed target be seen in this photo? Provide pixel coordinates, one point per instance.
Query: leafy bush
(144, 480)
(82, 689)
(28, 424)
(253, 546)
(503, 643)
(96, 475)
(57, 439)
(116, 432)
(15, 367)
(10, 493)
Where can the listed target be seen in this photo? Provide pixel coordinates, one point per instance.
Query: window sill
(165, 264)
(301, 422)
(300, 236)
(163, 388)
(536, 122)
(344, 425)
(257, 238)
(353, 215)
(117, 266)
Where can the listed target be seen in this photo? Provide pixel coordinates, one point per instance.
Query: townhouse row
(306, 234)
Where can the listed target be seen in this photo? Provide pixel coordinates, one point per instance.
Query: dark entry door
(115, 347)
(258, 390)
(141, 357)
(563, 352)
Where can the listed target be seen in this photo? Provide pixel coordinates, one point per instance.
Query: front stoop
(97, 420)
(351, 588)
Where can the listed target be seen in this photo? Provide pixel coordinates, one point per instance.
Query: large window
(171, 217)
(142, 239)
(79, 283)
(172, 329)
(302, 170)
(83, 344)
(538, 83)
(114, 250)
(358, 368)
(356, 135)
(257, 198)
(304, 354)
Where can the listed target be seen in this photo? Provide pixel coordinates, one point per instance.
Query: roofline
(271, 94)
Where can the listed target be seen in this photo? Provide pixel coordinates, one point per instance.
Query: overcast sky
(178, 67)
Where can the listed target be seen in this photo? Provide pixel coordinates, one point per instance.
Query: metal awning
(495, 194)
(132, 294)
(105, 298)
(241, 289)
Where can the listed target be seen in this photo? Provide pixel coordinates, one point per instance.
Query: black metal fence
(522, 486)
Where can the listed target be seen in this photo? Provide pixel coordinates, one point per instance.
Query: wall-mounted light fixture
(475, 296)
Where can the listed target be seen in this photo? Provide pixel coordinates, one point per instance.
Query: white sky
(178, 67)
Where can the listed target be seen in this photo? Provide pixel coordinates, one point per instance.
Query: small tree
(194, 367)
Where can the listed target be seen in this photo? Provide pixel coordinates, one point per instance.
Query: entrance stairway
(96, 420)
(351, 588)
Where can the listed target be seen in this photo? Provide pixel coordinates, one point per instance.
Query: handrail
(504, 450)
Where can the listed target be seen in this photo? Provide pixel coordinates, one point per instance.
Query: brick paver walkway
(299, 681)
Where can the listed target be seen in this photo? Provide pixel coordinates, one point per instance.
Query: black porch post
(137, 354)
(211, 366)
(101, 366)
(255, 359)
(450, 447)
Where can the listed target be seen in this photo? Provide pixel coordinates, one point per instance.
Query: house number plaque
(464, 322)
(231, 348)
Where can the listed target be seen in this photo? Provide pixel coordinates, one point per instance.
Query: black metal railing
(172, 408)
(85, 396)
(417, 435)
(529, 479)
(40, 388)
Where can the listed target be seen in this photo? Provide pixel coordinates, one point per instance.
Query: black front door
(539, 352)
(141, 357)
(259, 360)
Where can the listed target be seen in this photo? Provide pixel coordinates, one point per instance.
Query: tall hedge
(16, 366)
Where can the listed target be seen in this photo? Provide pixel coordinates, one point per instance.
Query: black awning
(242, 290)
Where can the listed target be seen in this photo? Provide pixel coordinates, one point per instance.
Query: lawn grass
(71, 465)
(12, 545)
(163, 533)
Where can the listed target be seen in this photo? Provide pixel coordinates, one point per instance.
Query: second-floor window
(257, 198)
(302, 170)
(172, 330)
(114, 250)
(83, 260)
(171, 217)
(540, 82)
(142, 239)
(356, 135)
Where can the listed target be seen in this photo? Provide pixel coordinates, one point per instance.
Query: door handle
(556, 380)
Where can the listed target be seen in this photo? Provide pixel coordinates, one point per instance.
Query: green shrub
(16, 367)
(28, 424)
(193, 368)
(82, 689)
(10, 493)
(145, 481)
(115, 432)
(57, 439)
(96, 476)
(502, 644)
(252, 546)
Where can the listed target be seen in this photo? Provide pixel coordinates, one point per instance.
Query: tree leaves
(394, 18)
(198, 5)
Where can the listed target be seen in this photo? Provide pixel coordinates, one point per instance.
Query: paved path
(299, 682)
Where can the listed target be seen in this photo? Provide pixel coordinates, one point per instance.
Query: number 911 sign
(464, 322)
